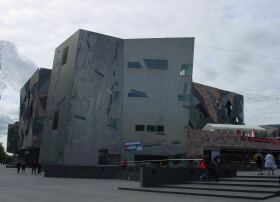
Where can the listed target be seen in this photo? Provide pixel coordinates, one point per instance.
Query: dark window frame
(139, 128)
(160, 128)
(55, 120)
(151, 128)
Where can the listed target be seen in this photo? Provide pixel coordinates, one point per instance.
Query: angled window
(184, 98)
(156, 63)
(160, 128)
(64, 55)
(186, 70)
(114, 123)
(116, 97)
(99, 73)
(136, 93)
(136, 65)
(55, 120)
(151, 128)
(139, 127)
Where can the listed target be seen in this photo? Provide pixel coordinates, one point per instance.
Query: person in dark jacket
(259, 162)
(33, 168)
(213, 168)
(23, 165)
(39, 167)
(18, 167)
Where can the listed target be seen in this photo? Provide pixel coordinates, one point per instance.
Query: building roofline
(212, 127)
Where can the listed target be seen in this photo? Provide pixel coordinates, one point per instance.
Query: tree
(4, 157)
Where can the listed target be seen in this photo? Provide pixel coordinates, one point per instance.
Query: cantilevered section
(214, 127)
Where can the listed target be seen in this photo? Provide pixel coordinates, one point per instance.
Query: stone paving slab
(31, 188)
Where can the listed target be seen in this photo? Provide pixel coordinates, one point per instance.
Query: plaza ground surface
(28, 188)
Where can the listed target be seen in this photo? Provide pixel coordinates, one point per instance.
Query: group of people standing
(269, 163)
(35, 167)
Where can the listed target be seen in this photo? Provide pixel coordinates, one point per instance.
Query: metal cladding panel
(105, 87)
(82, 90)
(151, 94)
(98, 74)
(13, 138)
(59, 102)
(212, 105)
(32, 110)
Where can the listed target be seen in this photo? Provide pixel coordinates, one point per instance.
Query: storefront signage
(133, 146)
(259, 139)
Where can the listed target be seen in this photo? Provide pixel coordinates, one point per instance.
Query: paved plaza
(30, 188)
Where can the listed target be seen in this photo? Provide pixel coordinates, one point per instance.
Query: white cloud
(16, 69)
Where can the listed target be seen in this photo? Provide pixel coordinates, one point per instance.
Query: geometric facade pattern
(33, 102)
(13, 137)
(213, 105)
(106, 92)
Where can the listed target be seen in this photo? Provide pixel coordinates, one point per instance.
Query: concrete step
(237, 183)
(263, 180)
(259, 176)
(225, 188)
(199, 192)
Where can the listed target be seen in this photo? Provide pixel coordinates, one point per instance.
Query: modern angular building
(33, 101)
(213, 105)
(112, 99)
(13, 138)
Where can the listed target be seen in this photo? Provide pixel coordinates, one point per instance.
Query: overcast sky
(237, 42)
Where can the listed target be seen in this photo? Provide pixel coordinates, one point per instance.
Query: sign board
(259, 139)
(133, 146)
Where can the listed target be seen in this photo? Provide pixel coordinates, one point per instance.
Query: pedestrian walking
(212, 169)
(203, 165)
(259, 162)
(33, 168)
(39, 168)
(18, 167)
(270, 164)
(23, 165)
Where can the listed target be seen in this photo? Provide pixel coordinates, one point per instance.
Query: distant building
(33, 101)
(273, 130)
(13, 138)
(233, 143)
